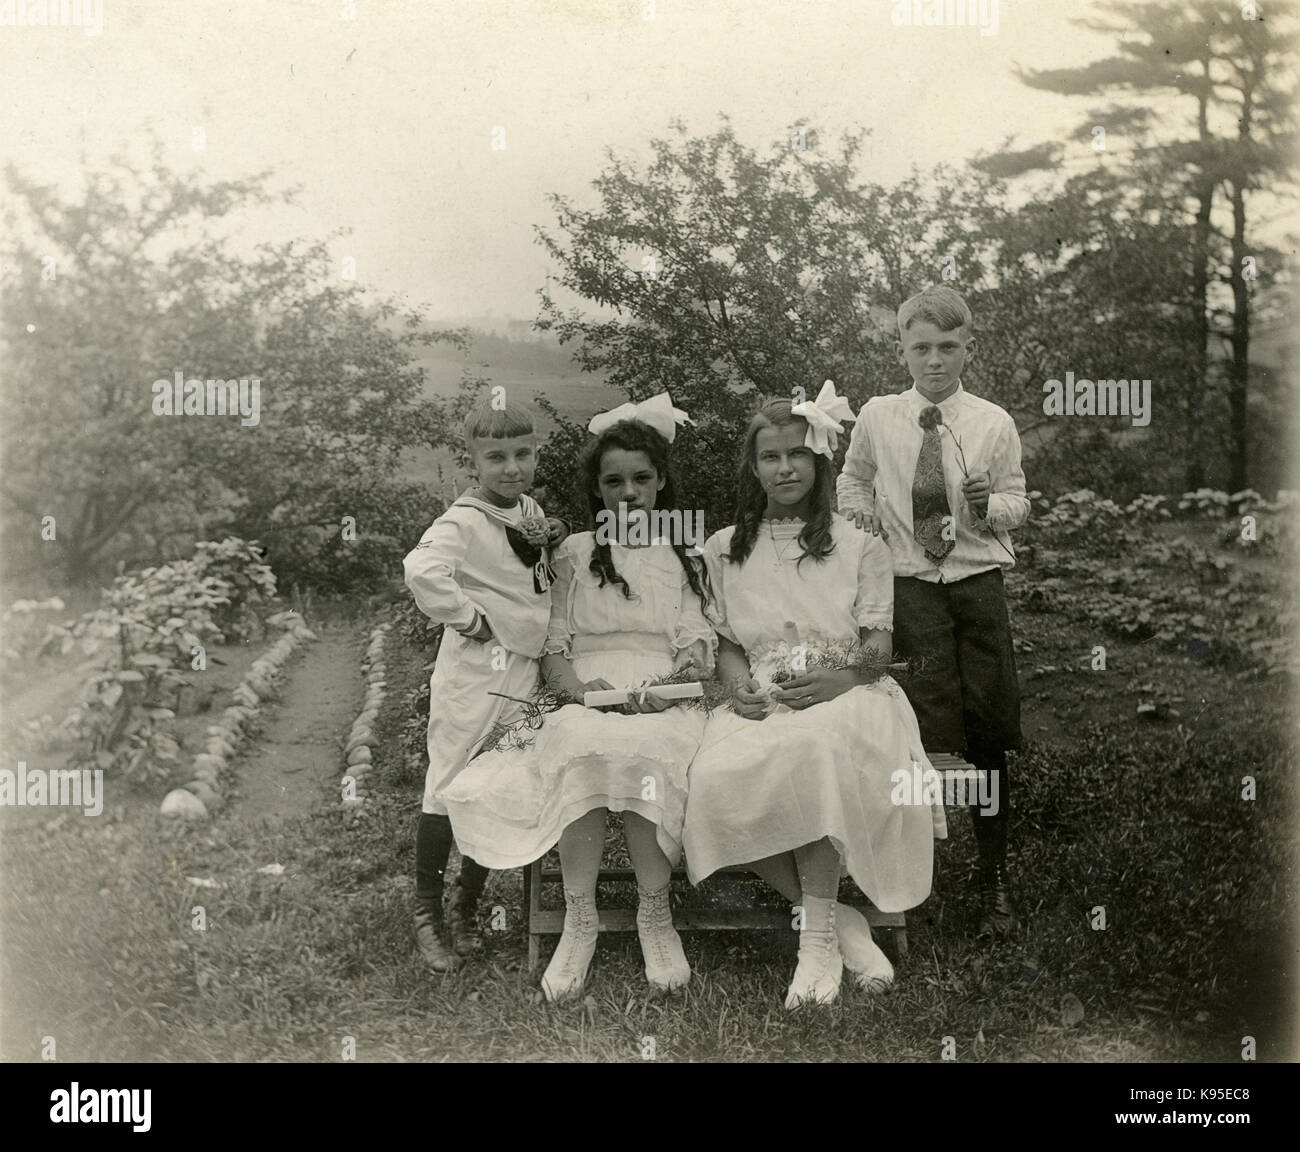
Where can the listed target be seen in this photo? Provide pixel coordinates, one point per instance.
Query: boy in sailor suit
(482, 570)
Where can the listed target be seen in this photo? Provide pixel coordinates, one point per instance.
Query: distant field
(525, 371)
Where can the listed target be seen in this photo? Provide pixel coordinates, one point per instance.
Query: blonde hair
(941, 306)
(487, 422)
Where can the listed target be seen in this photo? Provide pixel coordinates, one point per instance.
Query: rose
(535, 530)
(930, 418)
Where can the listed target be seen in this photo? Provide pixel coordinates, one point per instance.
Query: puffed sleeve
(559, 639)
(430, 569)
(692, 625)
(874, 607)
(716, 611)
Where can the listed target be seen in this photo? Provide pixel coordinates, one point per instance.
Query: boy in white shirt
(482, 570)
(936, 471)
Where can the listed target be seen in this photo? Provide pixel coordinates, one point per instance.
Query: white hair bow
(824, 415)
(658, 412)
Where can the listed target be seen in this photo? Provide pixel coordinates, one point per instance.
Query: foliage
(1135, 571)
(141, 643)
(152, 258)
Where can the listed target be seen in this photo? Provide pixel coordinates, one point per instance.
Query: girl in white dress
(622, 614)
(795, 780)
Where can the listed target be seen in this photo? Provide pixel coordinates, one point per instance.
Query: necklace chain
(781, 552)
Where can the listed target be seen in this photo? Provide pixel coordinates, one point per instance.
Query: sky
(384, 111)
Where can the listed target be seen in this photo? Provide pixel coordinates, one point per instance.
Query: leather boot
(429, 939)
(998, 915)
(462, 922)
(462, 909)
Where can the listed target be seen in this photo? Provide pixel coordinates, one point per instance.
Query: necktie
(930, 499)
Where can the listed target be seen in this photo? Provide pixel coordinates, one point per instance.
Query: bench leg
(532, 905)
(900, 943)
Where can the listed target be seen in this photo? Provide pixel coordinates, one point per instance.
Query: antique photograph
(626, 531)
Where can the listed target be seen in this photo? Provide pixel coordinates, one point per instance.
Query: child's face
(628, 478)
(784, 465)
(505, 466)
(935, 358)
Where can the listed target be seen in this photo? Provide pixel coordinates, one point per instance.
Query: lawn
(1139, 814)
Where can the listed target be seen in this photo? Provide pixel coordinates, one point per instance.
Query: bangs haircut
(941, 306)
(487, 423)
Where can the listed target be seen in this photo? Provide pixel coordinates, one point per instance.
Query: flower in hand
(930, 417)
(556, 530)
(748, 700)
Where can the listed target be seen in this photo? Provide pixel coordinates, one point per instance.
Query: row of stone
(201, 797)
(357, 751)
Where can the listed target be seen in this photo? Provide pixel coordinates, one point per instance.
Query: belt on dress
(643, 643)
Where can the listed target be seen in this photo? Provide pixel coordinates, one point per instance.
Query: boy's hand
(870, 522)
(482, 634)
(556, 531)
(977, 488)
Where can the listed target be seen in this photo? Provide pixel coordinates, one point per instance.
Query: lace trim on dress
(877, 625)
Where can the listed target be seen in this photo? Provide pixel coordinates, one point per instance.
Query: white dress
(760, 788)
(509, 806)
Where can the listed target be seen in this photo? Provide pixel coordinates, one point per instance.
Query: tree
(136, 278)
(727, 276)
(1231, 63)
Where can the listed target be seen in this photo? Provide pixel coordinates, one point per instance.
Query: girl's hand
(747, 701)
(599, 685)
(556, 531)
(816, 687)
(695, 655)
(645, 702)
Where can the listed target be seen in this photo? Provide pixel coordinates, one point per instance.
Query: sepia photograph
(649, 531)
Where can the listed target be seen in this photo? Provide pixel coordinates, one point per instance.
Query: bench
(550, 922)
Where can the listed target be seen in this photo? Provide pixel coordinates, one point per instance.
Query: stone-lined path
(296, 761)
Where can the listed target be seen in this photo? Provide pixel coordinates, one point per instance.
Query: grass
(1140, 817)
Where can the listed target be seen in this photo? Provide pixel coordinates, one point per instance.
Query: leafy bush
(141, 643)
(1123, 570)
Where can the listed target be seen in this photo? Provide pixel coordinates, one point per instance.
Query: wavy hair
(751, 499)
(634, 436)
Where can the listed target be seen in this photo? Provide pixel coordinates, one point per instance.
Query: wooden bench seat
(550, 922)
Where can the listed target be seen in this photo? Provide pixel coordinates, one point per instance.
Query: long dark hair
(634, 436)
(751, 499)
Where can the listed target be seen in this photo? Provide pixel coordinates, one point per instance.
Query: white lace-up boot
(665, 961)
(817, 975)
(567, 970)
